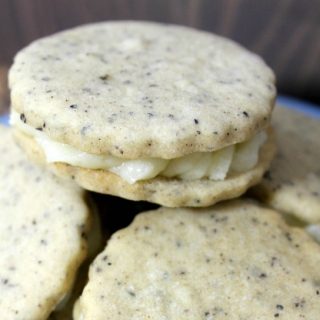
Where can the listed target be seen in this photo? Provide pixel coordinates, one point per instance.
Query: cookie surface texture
(232, 261)
(42, 223)
(292, 184)
(138, 89)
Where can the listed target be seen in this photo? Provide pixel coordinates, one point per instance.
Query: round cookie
(43, 224)
(137, 100)
(292, 183)
(232, 261)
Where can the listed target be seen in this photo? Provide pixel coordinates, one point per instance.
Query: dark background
(285, 32)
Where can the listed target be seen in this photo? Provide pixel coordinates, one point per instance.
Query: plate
(309, 109)
(4, 119)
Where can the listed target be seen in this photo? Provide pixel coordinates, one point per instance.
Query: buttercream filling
(215, 165)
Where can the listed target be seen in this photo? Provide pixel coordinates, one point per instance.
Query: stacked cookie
(146, 112)
(180, 118)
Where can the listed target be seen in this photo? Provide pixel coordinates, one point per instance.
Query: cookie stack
(172, 116)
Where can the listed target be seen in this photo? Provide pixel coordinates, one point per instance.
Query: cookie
(134, 102)
(43, 224)
(292, 184)
(232, 261)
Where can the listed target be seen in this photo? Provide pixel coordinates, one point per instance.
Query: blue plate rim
(4, 119)
(307, 108)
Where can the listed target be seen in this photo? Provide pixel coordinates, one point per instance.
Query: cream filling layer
(214, 165)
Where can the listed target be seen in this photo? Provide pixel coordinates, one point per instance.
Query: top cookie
(138, 89)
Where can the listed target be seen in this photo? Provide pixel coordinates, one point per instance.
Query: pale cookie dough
(136, 100)
(232, 261)
(292, 184)
(43, 226)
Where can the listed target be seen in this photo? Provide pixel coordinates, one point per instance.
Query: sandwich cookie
(292, 184)
(146, 111)
(43, 225)
(232, 261)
